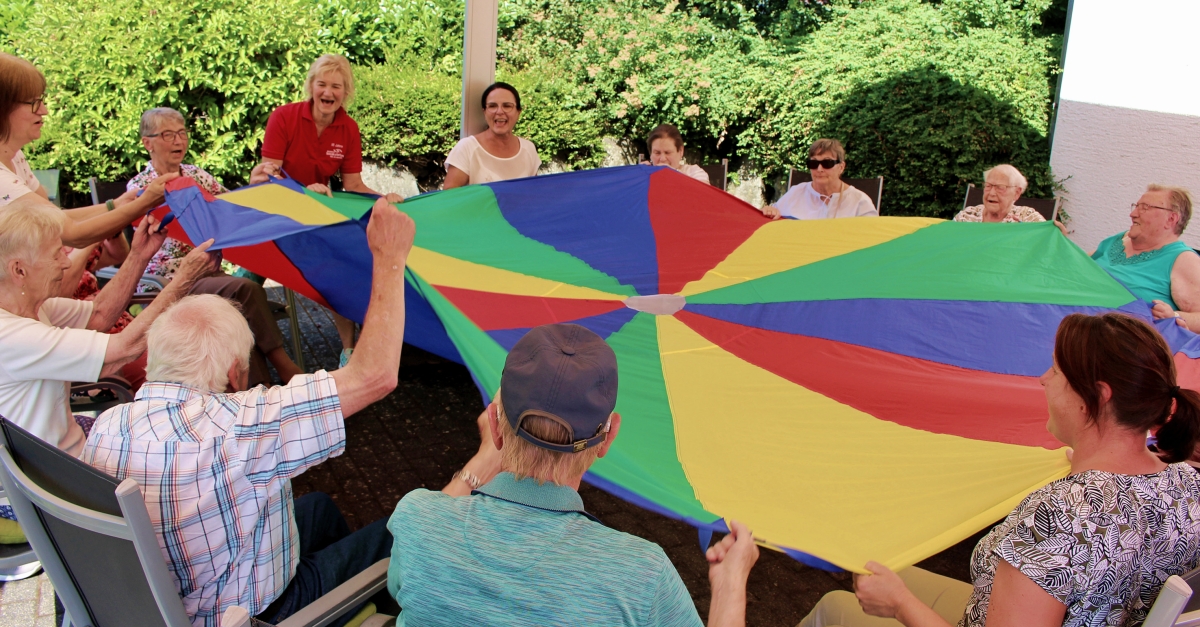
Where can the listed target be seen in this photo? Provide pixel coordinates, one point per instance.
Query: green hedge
(926, 94)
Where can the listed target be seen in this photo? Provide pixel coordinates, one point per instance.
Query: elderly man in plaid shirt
(215, 467)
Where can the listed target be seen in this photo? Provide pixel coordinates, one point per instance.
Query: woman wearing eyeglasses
(1002, 186)
(494, 154)
(164, 134)
(22, 110)
(1150, 259)
(827, 196)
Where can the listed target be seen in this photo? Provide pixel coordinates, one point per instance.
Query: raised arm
(93, 224)
(114, 297)
(729, 564)
(374, 366)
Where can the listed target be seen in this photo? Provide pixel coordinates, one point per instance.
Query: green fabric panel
(1021, 263)
(353, 206)
(643, 458)
(483, 356)
(459, 221)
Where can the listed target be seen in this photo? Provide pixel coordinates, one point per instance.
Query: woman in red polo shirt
(315, 139)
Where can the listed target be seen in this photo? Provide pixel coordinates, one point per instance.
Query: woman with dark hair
(22, 109)
(666, 148)
(493, 154)
(1095, 547)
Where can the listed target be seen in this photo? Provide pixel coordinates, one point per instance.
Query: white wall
(1129, 110)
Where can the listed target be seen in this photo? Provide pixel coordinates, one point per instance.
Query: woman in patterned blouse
(165, 136)
(1096, 547)
(1002, 186)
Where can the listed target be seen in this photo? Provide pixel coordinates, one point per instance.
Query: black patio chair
(1048, 207)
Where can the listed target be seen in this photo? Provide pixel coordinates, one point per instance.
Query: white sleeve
(33, 350)
(534, 159)
(460, 156)
(864, 207)
(788, 203)
(12, 186)
(67, 313)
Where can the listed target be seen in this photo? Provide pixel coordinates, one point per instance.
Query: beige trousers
(948, 597)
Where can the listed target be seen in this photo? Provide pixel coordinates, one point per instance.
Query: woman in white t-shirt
(827, 196)
(494, 154)
(48, 342)
(666, 148)
(22, 109)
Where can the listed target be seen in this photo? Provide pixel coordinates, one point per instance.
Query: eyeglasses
(507, 106)
(36, 103)
(169, 136)
(1141, 206)
(997, 187)
(828, 164)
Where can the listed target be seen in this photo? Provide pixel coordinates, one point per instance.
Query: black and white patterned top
(1103, 544)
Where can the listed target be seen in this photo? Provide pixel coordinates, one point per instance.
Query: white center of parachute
(658, 304)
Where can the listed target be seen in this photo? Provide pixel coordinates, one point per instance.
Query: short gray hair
(153, 117)
(196, 340)
(25, 224)
(1013, 175)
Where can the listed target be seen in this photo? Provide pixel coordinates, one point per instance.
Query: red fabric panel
(696, 226)
(908, 391)
(265, 259)
(494, 312)
(1187, 372)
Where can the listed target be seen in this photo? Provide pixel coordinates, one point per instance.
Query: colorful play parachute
(851, 389)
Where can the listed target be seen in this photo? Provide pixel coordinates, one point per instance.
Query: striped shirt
(516, 553)
(215, 471)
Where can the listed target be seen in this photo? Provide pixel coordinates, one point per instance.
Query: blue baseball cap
(566, 373)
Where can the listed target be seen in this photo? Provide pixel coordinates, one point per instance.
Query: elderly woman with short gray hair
(48, 342)
(1002, 186)
(165, 136)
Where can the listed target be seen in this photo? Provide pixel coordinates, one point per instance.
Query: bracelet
(468, 478)
(109, 203)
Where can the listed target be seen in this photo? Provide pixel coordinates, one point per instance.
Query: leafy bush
(407, 117)
(224, 64)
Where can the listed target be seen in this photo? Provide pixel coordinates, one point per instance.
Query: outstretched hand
(156, 190)
(881, 593)
(730, 560)
(148, 238)
(771, 211)
(198, 264)
(390, 231)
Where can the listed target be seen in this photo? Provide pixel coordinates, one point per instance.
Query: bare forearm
(373, 367)
(728, 606)
(104, 225)
(114, 298)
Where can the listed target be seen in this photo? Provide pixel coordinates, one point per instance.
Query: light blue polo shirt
(516, 553)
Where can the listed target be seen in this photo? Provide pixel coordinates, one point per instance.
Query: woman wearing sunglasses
(827, 196)
(1150, 259)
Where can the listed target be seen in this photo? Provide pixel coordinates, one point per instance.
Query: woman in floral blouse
(1096, 547)
(165, 136)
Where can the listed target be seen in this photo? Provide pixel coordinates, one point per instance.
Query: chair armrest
(239, 617)
(149, 280)
(341, 599)
(120, 388)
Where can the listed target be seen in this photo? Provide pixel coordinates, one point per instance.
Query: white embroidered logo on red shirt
(335, 152)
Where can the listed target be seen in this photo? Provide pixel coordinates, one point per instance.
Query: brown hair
(1181, 203)
(20, 82)
(668, 131)
(1135, 362)
(525, 459)
(827, 145)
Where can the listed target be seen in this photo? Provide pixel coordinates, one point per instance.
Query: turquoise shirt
(519, 553)
(1148, 274)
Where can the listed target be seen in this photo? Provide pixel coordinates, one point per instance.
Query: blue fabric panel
(1006, 338)
(228, 224)
(603, 325)
(336, 261)
(422, 327)
(600, 216)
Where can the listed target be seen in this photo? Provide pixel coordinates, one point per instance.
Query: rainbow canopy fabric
(851, 389)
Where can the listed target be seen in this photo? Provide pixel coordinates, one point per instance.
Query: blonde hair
(325, 64)
(196, 340)
(1013, 175)
(25, 225)
(1181, 203)
(525, 459)
(827, 145)
(20, 82)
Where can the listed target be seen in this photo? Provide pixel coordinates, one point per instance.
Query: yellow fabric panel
(280, 201)
(786, 244)
(815, 475)
(439, 269)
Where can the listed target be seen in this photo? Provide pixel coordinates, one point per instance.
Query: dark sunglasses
(825, 163)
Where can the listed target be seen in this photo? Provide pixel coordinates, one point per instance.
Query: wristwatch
(468, 478)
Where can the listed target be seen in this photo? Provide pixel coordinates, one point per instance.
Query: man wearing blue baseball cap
(508, 542)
